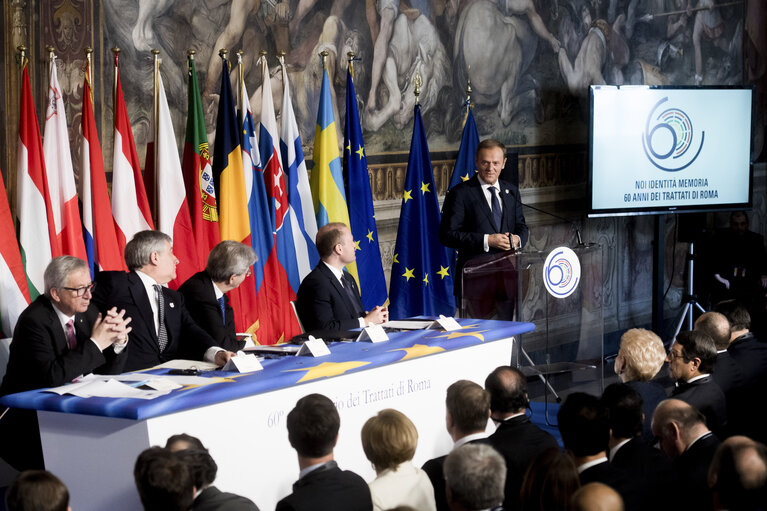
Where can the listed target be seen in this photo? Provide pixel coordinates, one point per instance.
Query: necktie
(71, 337)
(223, 309)
(351, 292)
(495, 208)
(162, 333)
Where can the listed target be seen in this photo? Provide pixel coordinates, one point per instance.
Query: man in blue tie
(229, 263)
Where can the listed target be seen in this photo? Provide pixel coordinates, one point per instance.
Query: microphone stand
(569, 221)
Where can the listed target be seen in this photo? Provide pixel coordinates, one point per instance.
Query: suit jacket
(40, 357)
(617, 479)
(200, 300)
(519, 441)
(692, 472)
(323, 304)
(652, 394)
(434, 469)
(705, 395)
(751, 355)
(328, 488)
(650, 466)
(213, 499)
(185, 338)
(466, 218)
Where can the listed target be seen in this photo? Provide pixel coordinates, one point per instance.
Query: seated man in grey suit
(59, 337)
(328, 298)
(313, 431)
(229, 263)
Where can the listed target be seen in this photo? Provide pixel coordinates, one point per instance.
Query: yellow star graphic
(443, 271)
(349, 146)
(394, 259)
(327, 369)
(424, 188)
(370, 236)
(408, 274)
(461, 333)
(419, 350)
(407, 195)
(361, 152)
(426, 280)
(465, 178)
(357, 245)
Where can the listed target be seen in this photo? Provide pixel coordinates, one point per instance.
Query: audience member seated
(640, 358)
(629, 452)
(190, 450)
(474, 478)
(597, 497)
(163, 481)
(229, 263)
(162, 327)
(389, 440)
(517, 439)
(37, 490)
(683, 436)
(727, 373)
(690, 363)
(59, 337)
(550, 482)
(585, 433)
(313, 431)
(467, 409)
(738, 474)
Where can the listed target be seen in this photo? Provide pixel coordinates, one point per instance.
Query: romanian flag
(361, 214)
(421, 282)
(14, 292)
(327, 182)
(99, 228)
(130, 205)
(37, 233)
(61, 177)
(198, 174)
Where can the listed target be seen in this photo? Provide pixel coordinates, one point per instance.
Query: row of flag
(255, 190)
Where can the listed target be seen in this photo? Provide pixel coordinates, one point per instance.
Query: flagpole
(241, 77)
(51, 57)
(324, 55)
(350, 59)
(89, 70)
(468, 102)
(116, 52)
(417, 82)
(155, 129)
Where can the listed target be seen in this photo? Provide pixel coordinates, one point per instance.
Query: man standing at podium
(484, 214)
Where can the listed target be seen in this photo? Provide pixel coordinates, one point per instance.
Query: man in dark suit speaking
(328, 298)
(484, 214)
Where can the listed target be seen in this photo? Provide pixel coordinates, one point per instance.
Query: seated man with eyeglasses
(59, 337)
(229, 264)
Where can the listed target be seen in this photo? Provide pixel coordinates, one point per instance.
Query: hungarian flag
(99, 228)
(14, 293)
(198, 174)
(130, 206)
(61, 177)
(37, 233)
(172, 209)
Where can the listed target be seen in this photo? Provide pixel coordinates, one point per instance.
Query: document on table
(109, 387)
(405, 324)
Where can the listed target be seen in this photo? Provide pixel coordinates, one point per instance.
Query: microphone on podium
(569, 221)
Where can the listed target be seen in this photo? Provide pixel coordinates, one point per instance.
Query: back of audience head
(676, 423)
(738, 473)
(640, 356)
(313, 426)
(697, 348)
(736, 313)
(475, 475)
(716, 326)
(37, 490)
(508, 392)
(624, 410)
(389, 439)
(163, 481)
(468, 408)
(583, 425)
(550, 482)
(597, 497)
(183, 441)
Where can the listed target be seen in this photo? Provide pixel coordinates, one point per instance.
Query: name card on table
(447, 324)
(373, 333)
(243, 363)
(313, 347)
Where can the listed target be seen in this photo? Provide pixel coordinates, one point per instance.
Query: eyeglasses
(674, 355)
(80, 291)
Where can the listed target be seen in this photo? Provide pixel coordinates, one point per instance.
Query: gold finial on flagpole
(22, 55)
(241, 76)
(324, 56)
(350, 59)
(417, 82)
(223, 54)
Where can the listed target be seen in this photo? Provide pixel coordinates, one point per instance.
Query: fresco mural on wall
(529, 62)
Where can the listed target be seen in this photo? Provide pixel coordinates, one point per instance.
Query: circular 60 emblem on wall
(561, 272)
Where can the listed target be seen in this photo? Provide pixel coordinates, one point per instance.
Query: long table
(92, 443)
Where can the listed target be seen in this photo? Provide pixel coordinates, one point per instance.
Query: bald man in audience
(738, 474)
(684, 437)
(597, 497)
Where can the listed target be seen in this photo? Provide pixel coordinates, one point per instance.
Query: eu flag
(361, 215)
(421, 280)
(465, 167)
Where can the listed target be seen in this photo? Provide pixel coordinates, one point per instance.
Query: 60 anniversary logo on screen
(671, 143)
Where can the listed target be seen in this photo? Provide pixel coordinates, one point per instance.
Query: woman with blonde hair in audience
(640, 359)
(389, 440)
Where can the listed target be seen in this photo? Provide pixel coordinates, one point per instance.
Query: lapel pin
(506, 190)
(171, 305)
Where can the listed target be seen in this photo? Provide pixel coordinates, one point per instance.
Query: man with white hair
(475, 475)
